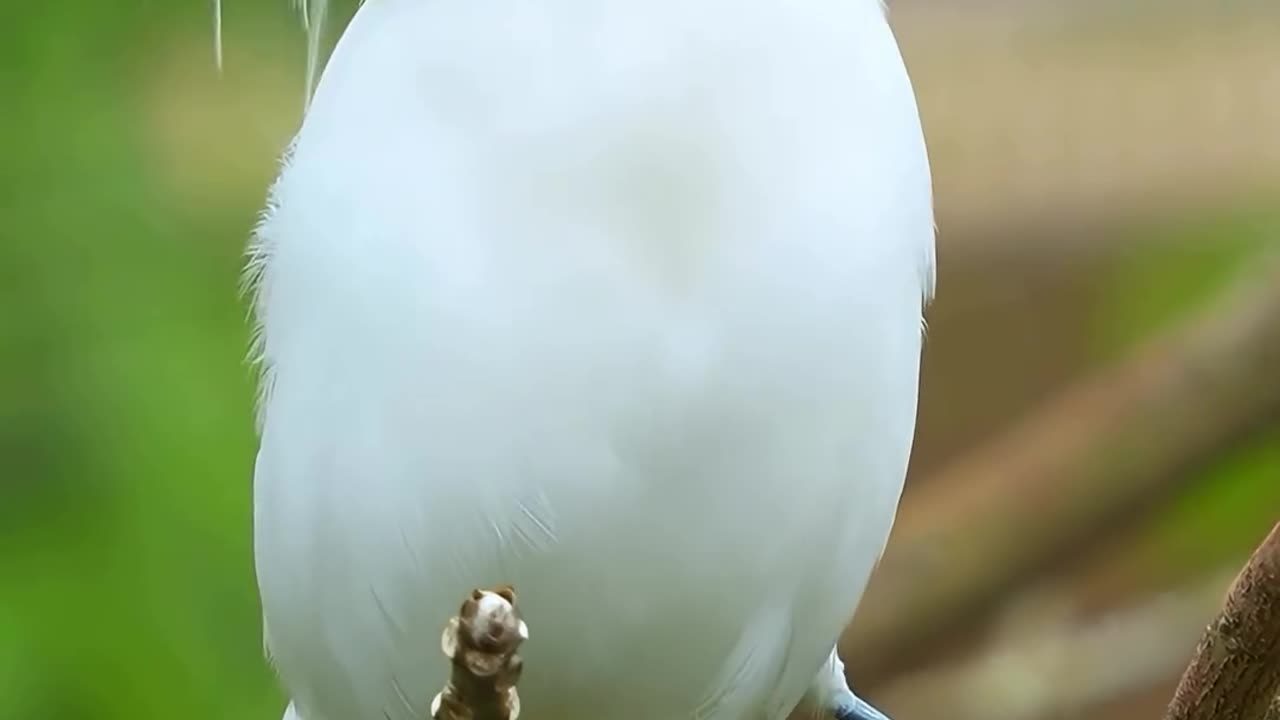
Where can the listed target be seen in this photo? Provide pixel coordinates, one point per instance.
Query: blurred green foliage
(1172, 266)
(126, 408)
(125, 426)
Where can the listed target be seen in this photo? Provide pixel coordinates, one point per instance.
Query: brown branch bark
(1235, 674)
(1053, 482)
(481, 642)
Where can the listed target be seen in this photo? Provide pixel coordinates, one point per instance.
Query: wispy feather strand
(313, 14)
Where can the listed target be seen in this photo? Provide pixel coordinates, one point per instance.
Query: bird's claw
(858, 709)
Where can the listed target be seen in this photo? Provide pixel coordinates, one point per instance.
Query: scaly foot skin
(481, 643)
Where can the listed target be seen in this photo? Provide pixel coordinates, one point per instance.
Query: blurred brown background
(1099, 445)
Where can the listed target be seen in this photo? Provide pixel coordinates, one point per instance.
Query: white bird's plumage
(618, 302)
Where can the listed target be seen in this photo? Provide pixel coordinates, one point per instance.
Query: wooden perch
(481, 642)
(1235, 674)
(1058, 480)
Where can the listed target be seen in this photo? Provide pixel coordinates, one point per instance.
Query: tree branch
(1055, 481)
(1235, 674)
(481, 642)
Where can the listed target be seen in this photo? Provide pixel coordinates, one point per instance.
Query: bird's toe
(858, 709)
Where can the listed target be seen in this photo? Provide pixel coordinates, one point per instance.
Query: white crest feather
(313, 14)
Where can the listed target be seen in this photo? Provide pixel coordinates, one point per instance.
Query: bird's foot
(481, 644)
(831, 693)
(855, 708)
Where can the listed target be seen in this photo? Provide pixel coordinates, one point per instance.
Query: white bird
(619, 302)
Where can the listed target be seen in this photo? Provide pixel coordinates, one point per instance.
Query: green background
(131, 172)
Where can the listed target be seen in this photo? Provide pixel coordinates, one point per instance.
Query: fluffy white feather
(617, 299)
